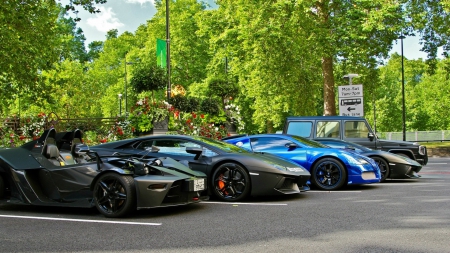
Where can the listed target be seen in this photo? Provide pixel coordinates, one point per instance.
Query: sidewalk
(438, 152)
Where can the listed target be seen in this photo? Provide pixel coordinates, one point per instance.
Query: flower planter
(231, 128)
(160, 127)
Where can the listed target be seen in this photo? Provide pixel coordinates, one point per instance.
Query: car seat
(51, 152)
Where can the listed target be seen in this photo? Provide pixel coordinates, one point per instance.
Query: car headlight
(355, 160)
(422, 150)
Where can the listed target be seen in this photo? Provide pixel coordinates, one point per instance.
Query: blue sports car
(391, 165)
(330, 168)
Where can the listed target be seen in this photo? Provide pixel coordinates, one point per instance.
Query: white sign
(350, 91)
(351, 101)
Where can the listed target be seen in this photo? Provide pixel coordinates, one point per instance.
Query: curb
(438, 152)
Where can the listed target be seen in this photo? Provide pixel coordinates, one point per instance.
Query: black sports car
(391, 165)
(58, 170)
(233, 173)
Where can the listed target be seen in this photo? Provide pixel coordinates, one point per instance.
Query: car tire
(384, 167)
(328, 174)
(115, 195)
(231, 182)
(2, 188)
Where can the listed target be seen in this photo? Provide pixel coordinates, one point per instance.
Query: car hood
(261, 159)
(393, 144)
(392, 158)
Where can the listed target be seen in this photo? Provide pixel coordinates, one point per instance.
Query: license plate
(199, 184)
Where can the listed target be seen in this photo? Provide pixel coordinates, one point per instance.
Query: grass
(440, 144)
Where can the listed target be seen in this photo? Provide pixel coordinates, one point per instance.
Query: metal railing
(419, 136)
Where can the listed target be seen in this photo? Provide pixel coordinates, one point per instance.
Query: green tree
(29, 35)
(188, 51)
(148, 77)
(27, 42)
(267, 51)
(71, 39)
(430, 19)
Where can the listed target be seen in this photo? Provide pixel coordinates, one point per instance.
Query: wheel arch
(116, 171)
(221, 162)
(335, 158)
(406, 152)
(384, 159)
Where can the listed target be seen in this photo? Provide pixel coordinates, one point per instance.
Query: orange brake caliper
(221, 184)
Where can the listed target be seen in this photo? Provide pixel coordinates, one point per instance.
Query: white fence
(430, 136)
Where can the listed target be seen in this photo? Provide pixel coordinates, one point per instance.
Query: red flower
(21, 137)
(194, 115)
(103, 140)
(202, 116)
(188, 121)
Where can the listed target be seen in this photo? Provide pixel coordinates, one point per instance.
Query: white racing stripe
(80, 220)
(242, 203)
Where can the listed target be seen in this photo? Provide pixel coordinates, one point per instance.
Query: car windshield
(224, 146)
(308, 142)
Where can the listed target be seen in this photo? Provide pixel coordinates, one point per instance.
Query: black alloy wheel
(329, 174)
(115, 195)
(231, 182)
(384, 167)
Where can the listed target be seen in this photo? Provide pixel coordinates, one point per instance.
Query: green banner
(161, 53)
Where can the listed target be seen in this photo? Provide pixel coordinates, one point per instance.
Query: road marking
(242, 203)
(334, 191)
(436, 163)
(80, 220)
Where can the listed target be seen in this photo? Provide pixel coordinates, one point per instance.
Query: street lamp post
(169, 87)
(350, 77)
(120, 104)
(403, 90)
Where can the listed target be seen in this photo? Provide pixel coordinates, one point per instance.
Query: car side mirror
(371, 136)
(152, 149)
(291, 145)
(196, 151)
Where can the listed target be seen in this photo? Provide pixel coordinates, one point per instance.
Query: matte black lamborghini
(233, 173)
(58, 170)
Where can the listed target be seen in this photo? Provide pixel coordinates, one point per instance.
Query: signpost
(351, 101)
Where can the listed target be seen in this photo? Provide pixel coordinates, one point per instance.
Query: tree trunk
(270, 127)
(329, 102)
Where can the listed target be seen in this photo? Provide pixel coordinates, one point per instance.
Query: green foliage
(148, 77)
(197, 125)
(210, 106)
(144, 113)
(222, 88)
(185, 104)
(273, 58)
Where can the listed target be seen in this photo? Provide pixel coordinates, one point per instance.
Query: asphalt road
(395, 216)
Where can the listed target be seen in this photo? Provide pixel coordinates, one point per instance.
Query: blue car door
(281, 147)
